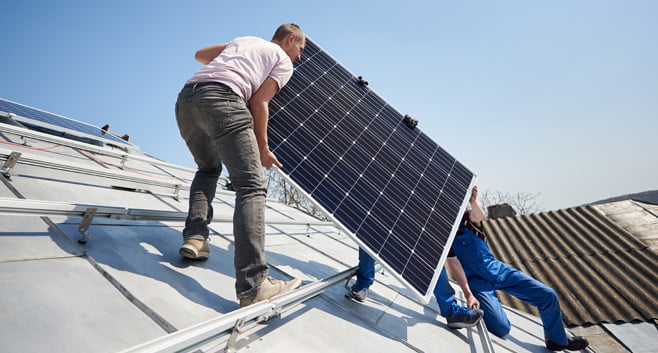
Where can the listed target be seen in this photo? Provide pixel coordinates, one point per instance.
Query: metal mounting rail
(178, 185)
(74, 144)
(26, 207)
(175, 185)
(485, 339)
(48, 208)
(231, 324)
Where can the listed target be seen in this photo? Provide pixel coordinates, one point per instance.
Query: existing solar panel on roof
(391, 187)
(29, 115)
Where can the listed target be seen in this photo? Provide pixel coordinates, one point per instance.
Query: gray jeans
(218, 128)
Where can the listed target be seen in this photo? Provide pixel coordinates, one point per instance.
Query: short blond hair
(286, 29)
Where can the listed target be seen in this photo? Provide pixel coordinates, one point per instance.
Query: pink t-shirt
(245, 64)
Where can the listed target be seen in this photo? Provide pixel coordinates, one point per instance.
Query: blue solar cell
(34, 116)
(397, 192)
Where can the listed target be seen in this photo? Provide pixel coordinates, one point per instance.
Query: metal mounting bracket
(177, 189)
(124, 159)
(10, 163)
(237, 329)
(86, 223)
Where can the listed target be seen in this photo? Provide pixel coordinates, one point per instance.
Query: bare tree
(279, 189)
(282, 191)
(522, 202)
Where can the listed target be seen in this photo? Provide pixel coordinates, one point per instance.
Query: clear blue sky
(553, 97)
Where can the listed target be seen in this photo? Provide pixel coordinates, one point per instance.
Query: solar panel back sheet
(389, 186)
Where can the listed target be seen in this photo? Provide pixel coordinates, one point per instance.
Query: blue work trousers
(486, 275)
(445, 295)
(365, 274)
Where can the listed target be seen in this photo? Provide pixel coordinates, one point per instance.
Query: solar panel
(51, 122)
(389, 186)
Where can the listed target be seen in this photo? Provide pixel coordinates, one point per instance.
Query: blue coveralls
(486, 275)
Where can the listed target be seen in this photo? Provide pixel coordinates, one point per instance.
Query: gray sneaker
(195, 249)
(359, 295)
(465, 318)
(268, 289)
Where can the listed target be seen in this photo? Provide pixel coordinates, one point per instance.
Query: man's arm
(457, 271)
(207, 54)
(477, 213)
(259, 107)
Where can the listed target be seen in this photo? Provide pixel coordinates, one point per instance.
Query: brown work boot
(268, 289)
(195, 249)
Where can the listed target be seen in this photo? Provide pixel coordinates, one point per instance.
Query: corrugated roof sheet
(601, 272)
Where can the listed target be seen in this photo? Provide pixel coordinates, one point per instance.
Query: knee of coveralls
(494, 315)
(445, 295)
(365, 274)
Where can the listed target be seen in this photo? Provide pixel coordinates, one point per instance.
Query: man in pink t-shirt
(222, 114)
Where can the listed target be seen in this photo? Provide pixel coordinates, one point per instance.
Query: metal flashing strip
(638, 337)
(191, 338)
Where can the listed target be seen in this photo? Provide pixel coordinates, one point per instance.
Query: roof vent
(501, 210)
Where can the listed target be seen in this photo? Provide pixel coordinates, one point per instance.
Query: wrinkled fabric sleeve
(282, 72)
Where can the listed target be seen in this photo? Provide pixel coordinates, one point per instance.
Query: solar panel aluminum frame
(423, 297)
(109, 138)
(331, 64)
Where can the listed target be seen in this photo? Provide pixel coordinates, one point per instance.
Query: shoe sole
(458, 325)
(557, 348)
(192, 254)
(462, 325)
(294, 284)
